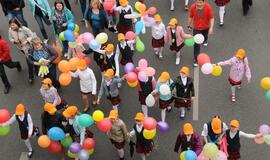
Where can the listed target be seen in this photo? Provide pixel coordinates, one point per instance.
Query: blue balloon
(69, 35)
(85, 120)
(94, 45)
(71, 26)
(139, 27)
(56, 134)
(190, 155)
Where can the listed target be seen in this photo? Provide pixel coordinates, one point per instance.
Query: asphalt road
(251, 108)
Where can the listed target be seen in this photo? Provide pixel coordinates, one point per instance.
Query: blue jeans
(17, 14)
(40, 20)
(83, 6)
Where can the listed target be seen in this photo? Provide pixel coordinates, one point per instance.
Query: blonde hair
(36, 41)
(93, 2)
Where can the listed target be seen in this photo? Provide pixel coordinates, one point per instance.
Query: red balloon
(55, 147)
(88, 144)
(131, 77)
(108, 5)
(149, 123)
(4, 115)
(203, 58)
(104, 125)
(88, 60)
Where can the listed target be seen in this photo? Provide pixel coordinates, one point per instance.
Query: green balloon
(189, 42)
(62, 36)
(66, 142)
(267, 95)
(4, 130)
(71, 155)
(139, 45)
(267, 139)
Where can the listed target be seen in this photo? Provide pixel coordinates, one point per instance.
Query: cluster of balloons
(150, 125)
(83, 152)
(198, 39)
(206, 67)
(265, 84)
(103, 124)
(4, 116)
(188, 155)
(263, 135)
(211, 151)
(70, 34)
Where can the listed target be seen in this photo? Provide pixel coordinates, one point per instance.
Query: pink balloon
(143, 77)
(143, 63)
(203, 58)
(207, 68)
(108, 5)
(131, 77)
(202, 157)
(104, 125)
(149, 123)
(149, 21)
(87, 37)
(130, 16)
(130, 35)
(150, 71)
(152, 10)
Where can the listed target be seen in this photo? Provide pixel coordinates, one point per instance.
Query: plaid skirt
(164, 104)
(124, 29)
(221, 2)
(176, 48)
(144, 149)
(182, 103)
(24, 135)
(114, 100)
(234, 83)
(124, 61)
(118, 145)
(142, 98)
(157, 43)
(234, 155)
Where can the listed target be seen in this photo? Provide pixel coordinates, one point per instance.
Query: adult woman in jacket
(22, 37)
(96, 17)
(41, 10)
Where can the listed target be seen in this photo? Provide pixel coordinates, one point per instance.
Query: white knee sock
(178, 54)
(160, 51)
(156, 50)
(115, 107)
(221, 13)
(28, 145)
(163, 115)
(143, 156)
(186, 2)
(182, 111)
(233, 90)
(121, 153)
(172, 3)
(145, 110)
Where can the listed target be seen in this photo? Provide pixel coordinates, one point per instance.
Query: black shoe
(221, 24)
(31, 80)
(6, 90)
(19, 67)
(182, 118)
(30, 154)
(122, 159)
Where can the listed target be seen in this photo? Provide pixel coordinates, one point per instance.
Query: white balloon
(207, 68)
(221, 156)
(150, 100)
(199, 38)
(164, 89)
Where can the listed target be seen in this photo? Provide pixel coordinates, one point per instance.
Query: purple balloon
(163, 126)
(264, 129)
(75, 147)
(129, 67)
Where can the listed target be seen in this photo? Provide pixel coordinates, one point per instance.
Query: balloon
(203, 58)
(66, 142)
(59, 54)
(149, 134)
(94, 45)
(164, 89)
(139, 45)
(189, 42)
(88, 60)
(150, 100)
(87, 37)
(88, 143)
(267, 139)
(267, 95)
(65, 79)
(129, 67)
(137, 5)
(210, 150)
(149, 21)
(83, 155)
(98, 115)
(199, 38)
(202, 157)
(265, 83)
(150, 71)
(142, 8)
(69, 35)
(73, 63)
(143, 77)
(77, 28)
(182, 155)
(76, 34)
(104, 125)
(56, 133)
(91, 151)
(143, 63)
(207, 68)
(75, 147)
(71, 26)
(4, 115)
(72, 44)
(131, 77)
(44, 141)
(130, 35)
(134, 84)
(55, 147)
(102, 38)
(221, 156)
(63, 66)
(85, 120)
(4, 130)
(62, 36)
(71, 155)
(149, 123)
(152, 10)
(108, 5)
(163, 126)
(259, 139)
(139, 27)
(217, 71)
(264, 129)
(190, 155)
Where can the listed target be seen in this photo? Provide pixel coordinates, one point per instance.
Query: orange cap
(47, 81)
(165, 76)
(123, 3)
(70, 111)
(109, 47)
(82, 64)
(188, 129)
(20, 109)
(113, 114)
(120, 36)
(50, 108)
(185, 70)
(216, 125)
(173, 22)
(109, 73)
(139, 116)
(157, 18)
(240, 53)
(235, 123)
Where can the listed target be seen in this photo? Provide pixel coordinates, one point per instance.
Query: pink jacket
(180, 35)
(238, 69)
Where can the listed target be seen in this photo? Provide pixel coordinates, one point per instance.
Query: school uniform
(164, 100)
(209, 133)
(158, 33)
(124, 25)
(192, 142)
(221, 2)
(127, 51)
(145, 88)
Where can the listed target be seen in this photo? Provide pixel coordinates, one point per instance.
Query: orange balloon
(44, 141)
(63, 66)
(76, 35)
(59, 54)
(142, 8)
(73, 63)
(65, 79)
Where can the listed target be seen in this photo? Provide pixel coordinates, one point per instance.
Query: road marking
(196, 101)
(24, 156)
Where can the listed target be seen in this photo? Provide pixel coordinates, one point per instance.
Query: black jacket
(49, 121)
(12, 4)
(182, 91)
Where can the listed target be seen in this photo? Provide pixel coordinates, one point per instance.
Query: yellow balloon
(91, 151)
(137, 5)
(142, 8)
(182, 155)
(72, 44)
(217, 70)
(71, 155)
(210, 150)
(149, 134)
(98, 115)
(265, 83)
(134, 84)
(102, 38)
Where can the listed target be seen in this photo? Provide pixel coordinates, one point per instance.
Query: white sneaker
(45, 41)
(195, 64)
(160, 56)
(205, 44)
(66, 55)
(177, 60)
(172, 8)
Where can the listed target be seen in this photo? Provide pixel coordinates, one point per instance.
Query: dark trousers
(246, 4)
(9, 64)
(40, 20)
(83, 6)
(17, 14)
(197, 47)
(97, 31)
(30, 69)
(67, 4)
